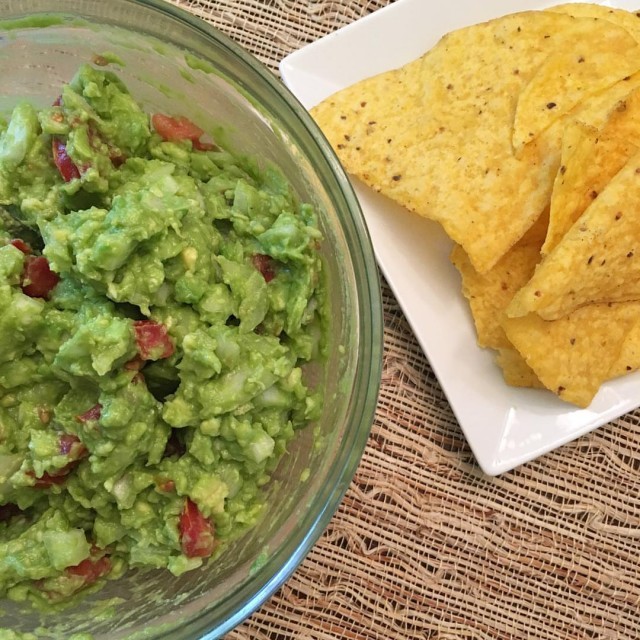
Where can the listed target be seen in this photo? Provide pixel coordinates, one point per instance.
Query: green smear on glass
(188, 76)
(259, 562)
(198, 63)
(41, 21)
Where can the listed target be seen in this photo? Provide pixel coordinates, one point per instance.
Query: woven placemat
(424, 544)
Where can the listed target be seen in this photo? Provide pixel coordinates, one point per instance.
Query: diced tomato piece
(180, 128)
(37, 278)
(152, 340)
(57, 102)
(196, 532)
(90, 414)
(21, 245)
(48, 480)
(78, 577)
(66, 167)
(265, 265)
(7, 511)
(90, 569)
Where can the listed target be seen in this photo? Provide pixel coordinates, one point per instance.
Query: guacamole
(159, 298)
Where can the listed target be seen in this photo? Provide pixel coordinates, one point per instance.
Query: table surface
(424, 545)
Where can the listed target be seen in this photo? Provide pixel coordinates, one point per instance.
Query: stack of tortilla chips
(521, 137)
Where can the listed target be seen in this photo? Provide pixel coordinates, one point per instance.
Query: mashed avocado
(158, 298)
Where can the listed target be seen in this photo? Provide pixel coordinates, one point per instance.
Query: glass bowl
(178, 64)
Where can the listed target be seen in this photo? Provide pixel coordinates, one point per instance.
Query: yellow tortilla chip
(436, 136)
(483, 307)
(591, 156)
(590, 159)
(574, 355)
(624, 119)
(489, 293)
(538, 231)
(515, 371)
(628, 20)
(598, 259)
(598, 108)
(533, 112)
(590, 61)
(629, 358)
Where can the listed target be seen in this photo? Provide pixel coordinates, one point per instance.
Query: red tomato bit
(37, 278)
(180, 128)
(152, 340)
(265, 265)
(63, 162)
(50, 479)
(90, 569)
(196, 532)
(80, 576)
(21, 245)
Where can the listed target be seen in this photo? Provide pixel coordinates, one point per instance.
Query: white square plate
(504, 426)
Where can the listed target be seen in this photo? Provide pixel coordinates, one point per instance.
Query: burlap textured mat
(426, 546)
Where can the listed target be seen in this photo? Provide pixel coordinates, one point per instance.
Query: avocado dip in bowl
(190, 325)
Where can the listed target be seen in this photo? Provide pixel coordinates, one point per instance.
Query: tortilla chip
(588, 63)
(537, 232)
(590, 159)
(624, 119)
(436, 136)
(598, 259)
(591, 156)
(628, 20)
(598, 108)
(533, 112)
(489, 293)
(484, 308)
(515, 371)
(629, 358)
(574, 355)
